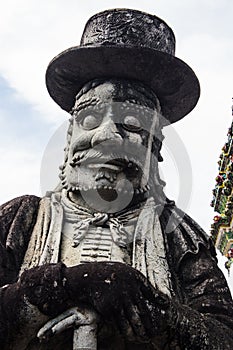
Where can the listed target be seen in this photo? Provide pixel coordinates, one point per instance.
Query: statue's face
(110, 140)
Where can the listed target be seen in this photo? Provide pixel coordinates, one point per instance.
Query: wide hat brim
(172, 80)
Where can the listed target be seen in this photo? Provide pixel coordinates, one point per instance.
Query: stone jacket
(198, 286)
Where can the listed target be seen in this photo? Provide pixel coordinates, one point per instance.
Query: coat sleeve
(17, 219)
(202, 298)
(205, 316)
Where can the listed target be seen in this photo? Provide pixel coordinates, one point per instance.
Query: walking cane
(85, 337)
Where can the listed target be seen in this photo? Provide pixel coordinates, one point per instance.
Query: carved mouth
(106, 174)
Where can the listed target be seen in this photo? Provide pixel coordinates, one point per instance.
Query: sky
(32, 126)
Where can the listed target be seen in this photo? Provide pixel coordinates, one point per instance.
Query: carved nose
(107, 132)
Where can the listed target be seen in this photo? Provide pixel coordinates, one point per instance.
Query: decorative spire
(222, 202)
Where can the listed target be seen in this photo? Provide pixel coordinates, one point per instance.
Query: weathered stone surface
(139, 273)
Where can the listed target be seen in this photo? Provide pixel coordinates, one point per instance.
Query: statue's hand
(121, 294)
(118, 292)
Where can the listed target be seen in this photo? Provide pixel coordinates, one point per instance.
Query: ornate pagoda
(222, 202)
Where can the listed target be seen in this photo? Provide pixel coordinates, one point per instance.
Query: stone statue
(106, 261)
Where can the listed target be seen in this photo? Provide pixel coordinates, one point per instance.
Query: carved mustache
(124, 159)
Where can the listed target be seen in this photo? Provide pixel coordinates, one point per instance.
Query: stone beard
(114, 141)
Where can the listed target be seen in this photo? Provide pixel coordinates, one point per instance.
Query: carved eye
(91, 121)
(131, 123)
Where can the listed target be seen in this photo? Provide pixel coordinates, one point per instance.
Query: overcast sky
(33, 32)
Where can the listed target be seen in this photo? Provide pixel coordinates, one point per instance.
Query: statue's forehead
(115, 91)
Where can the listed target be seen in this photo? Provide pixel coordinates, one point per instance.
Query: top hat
(126, 44)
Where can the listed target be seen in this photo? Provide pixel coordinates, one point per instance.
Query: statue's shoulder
(19, 206)
(16, 202)
(18, 214)
(17, 219)
(184, 235)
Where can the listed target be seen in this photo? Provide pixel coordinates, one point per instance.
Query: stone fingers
(73, 317)
(135, 320)
(130, 320)
(56, 325)
(123, 325)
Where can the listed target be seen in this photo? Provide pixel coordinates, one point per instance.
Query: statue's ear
(160, 158)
